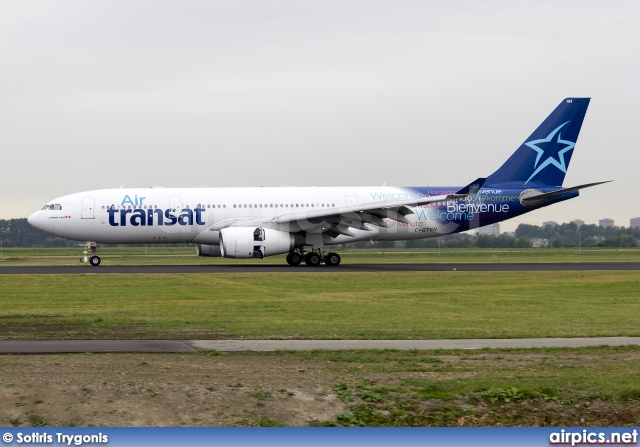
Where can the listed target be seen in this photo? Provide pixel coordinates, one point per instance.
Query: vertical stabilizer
(543, 159)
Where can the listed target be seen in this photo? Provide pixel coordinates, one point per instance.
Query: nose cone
(34, 220)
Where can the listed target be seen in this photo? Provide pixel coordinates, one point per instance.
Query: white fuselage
(166, 215)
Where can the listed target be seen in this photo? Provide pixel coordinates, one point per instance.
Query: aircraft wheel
(332, 259)
(294, 258)
(312, 259)
(94, 261)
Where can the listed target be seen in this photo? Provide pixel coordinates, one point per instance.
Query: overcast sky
(247, 93)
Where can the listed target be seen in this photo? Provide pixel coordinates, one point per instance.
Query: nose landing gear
(91, 247)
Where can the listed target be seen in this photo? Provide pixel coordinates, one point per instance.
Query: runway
(171, 346)
(344, 268)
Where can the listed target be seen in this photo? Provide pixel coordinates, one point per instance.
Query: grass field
(586, 387)
(186, 255)
(395, 305)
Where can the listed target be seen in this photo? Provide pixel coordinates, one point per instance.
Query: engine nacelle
(208, 250)
(252, 242)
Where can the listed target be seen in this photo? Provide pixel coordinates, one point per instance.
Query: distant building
(605, 222)
(493, 229)
(539, 243)
(549, 223)
(578, 222)
(635, 222)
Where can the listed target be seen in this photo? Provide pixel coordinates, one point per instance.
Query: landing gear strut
(92, 247)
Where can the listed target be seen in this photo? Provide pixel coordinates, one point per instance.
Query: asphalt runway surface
(274, 268)
(172, 346)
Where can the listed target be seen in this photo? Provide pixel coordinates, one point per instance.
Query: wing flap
(358, 217)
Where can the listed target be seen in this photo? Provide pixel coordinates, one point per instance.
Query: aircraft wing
(337, 221)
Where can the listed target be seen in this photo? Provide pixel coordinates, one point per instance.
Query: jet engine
(252, 242)
(208, 250)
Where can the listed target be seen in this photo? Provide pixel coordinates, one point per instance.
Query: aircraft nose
(34, 219)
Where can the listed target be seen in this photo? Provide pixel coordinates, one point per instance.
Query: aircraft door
(88, 204)
(351, 199)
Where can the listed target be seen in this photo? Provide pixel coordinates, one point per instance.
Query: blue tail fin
(543, 159)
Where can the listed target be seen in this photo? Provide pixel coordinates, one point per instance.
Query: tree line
(18, 233)
(553, 236)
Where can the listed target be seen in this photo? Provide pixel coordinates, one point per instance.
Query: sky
(268, 93)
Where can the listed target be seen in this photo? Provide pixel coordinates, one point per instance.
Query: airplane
(301, 221)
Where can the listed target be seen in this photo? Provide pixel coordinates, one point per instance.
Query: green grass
(394, 305)
(584, 386)
(492, 374)
(163, 255)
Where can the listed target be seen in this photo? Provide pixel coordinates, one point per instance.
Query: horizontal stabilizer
(533, 197)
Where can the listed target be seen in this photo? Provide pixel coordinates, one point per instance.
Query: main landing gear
(94, 260)
(313, 258)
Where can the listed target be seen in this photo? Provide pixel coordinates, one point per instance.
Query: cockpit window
(56, 207)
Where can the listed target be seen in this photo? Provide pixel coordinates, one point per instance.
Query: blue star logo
(549, 146)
